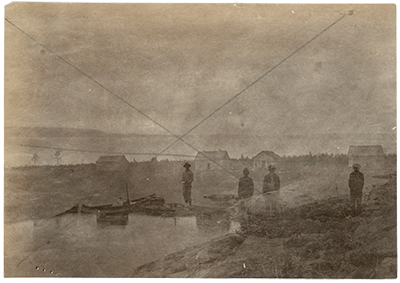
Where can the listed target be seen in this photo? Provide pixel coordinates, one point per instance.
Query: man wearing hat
(245, 191)
(246, 185)
(356, 184)
(187, 179)
(271, 186)
(271, 181)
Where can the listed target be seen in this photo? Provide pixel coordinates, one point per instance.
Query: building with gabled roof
(203, 162)
(370, 157)
(265, 158)
(112, 163)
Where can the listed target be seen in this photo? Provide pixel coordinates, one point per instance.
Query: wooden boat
(151, 204)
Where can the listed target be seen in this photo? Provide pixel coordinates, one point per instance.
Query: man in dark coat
(187, 179)
(356, 184)
(271, 181)
(271, 186)
(246, 185)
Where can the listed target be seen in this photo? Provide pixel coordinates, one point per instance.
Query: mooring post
(127, 192)
(79, 206)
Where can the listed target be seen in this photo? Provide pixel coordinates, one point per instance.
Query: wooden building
(112, 163)
(265, 158)
(204, 167)
(370, 157)
(202, 163)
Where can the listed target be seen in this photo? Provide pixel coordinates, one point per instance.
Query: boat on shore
(150, 204)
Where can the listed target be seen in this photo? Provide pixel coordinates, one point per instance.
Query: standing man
(187, 179)
(271, 186)
(271, 181)
(246, 185)
(356, 184)
(245, 190)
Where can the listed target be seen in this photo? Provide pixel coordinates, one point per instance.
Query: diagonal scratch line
(83, 211)
(93, 80)
(180, 155)
(229, 172)
(180, 138)
(215, 111)
(270, 70)
(219, 108)
(211, 114)
(116, 187)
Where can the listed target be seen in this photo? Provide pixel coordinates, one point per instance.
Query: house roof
(111, 158)
(365, 150)
(268, 153)
(218, 154)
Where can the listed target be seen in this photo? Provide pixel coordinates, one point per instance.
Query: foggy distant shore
(86, 145)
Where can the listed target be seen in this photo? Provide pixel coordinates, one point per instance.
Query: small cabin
(204, 160)
(265, 158)
(370, 157)
(112, 163)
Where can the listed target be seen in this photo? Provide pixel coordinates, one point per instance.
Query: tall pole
(127, 192)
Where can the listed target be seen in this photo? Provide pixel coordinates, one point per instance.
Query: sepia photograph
(200, 140)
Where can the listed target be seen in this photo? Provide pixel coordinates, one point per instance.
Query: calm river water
(89, 248)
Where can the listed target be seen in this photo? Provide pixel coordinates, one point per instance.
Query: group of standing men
(271, 186)
(246, 185)
(271, 183)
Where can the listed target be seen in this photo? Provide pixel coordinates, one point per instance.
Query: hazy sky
(178, 63)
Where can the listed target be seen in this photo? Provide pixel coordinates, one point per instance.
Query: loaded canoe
(151, 204)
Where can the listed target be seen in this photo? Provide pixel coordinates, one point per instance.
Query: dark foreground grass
(319, 240)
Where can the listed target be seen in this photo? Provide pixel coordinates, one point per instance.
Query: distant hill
(54, 132)
(51, 132)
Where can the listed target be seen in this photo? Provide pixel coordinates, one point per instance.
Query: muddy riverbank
(316, 240)
(91, 248)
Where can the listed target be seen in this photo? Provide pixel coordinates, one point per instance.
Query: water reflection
(104, 219)
(107, 246)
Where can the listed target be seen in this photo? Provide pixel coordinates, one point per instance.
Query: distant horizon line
(202, 134)
(196, 156)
